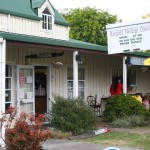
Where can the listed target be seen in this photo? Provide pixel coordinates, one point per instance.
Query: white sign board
(127, 37)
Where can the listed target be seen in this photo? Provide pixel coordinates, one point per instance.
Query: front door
(41, 73)
(25, 89)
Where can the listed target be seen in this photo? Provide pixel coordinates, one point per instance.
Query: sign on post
(127, 37)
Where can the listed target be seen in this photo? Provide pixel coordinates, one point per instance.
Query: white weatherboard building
(38, 59)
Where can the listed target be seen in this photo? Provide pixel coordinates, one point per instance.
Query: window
(47, 20)
(8, 86)
(131, 77)
(81, 82)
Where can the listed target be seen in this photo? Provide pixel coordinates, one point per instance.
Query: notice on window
(21, 93)
(29, 79)
(21, 77)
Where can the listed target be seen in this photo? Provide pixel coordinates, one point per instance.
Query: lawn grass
(122, 139)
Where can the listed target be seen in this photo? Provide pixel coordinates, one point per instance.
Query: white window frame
(46, 21)
(79, 88)
(9, 77)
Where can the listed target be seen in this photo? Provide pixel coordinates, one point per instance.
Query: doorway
(40, 89)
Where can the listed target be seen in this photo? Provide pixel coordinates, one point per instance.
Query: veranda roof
(71, 43)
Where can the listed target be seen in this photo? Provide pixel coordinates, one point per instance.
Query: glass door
(25, 89)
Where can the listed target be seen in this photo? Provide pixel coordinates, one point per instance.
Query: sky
(127, 10)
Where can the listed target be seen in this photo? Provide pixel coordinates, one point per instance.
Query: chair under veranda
(97, 107)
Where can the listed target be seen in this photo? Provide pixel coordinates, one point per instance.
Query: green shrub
(136, 120)
(72, 115)
(58, 134)
(147, 117)
(121, 106)
(131, 121)
(121, 122)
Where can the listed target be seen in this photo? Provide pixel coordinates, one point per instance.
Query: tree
(89, 24)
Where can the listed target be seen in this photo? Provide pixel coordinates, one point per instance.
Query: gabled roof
(25, 9)
(20, 8)
(59, 19)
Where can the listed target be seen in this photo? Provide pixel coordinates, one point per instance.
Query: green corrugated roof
(37, 3)
(20, 8)
(59, 19)
(70, 44)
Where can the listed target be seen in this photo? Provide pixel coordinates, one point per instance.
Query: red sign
(21, 78)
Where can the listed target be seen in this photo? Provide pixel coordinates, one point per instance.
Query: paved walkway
(74, 145)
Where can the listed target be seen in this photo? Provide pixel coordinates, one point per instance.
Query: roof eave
(20, 15)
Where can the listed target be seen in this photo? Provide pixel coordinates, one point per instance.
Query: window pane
(49, 19)
(49, 27)
(8, 83)
(81, 93)
(70, 85)
(8, 96)
(45, 18)
(8, 70)
(81, 84)
(131, 77)
(70, 94)
(45, 26)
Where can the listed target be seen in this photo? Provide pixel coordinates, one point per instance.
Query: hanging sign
(45, 55)
(22, 78)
